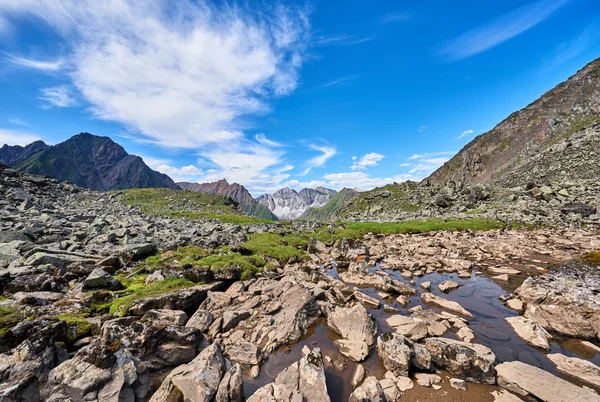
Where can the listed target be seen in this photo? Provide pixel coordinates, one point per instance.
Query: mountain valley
(480, 282)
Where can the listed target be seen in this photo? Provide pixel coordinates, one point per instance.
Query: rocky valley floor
(102, 302)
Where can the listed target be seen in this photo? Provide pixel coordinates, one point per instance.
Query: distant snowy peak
(289, 204)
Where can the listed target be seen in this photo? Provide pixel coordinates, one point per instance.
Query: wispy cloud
(17, 137)
(370, 159)
(430, 155)
(395, 17)
(588, 38)
(343, 40)
(501, 29)
(423, 128)
(192, 76)
(335, 82)
(46, 66)
(184, 76)
(464, 134)
(327, 152)
(57, 96)
(19, 122)
(262, 139)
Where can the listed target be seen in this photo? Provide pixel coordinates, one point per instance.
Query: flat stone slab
(523, 379)
(530, 332)
(583, 370)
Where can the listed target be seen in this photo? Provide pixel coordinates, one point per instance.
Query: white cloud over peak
(501, 29)
(464, 134)
(370, 159)
(181, 74)
(16, 137)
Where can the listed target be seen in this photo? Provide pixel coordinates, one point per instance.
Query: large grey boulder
(231, 388)
(357, 328)
(471, 362)
(370, 391)
(302, 381)
(99, 372)
(100, 279)
(396, 352)
(196, 381)
(183, 299)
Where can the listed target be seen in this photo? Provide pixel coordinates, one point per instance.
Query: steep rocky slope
(330, 211)
(11, 155)
(236, 192)
(290, 204)
(535, 142)
(93, 162)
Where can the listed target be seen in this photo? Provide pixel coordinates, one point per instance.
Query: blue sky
(334, 93)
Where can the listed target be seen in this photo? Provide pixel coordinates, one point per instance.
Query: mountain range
(236, 192)
(288, 204)
(86, 160)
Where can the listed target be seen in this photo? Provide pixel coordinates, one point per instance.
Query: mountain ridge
(88, 161)
(493, 157)
(236, 192)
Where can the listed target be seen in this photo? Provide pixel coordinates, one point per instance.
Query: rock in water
(523, 379)
(196, 381)
(471, 362)
(369, 391)
(357, 328)
(231, 388)
(396, 352)
(581, 369)
(530, 332)
(428, 298)
(302, 381)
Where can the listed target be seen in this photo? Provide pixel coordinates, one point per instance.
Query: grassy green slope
(187, 204)
(330, 210)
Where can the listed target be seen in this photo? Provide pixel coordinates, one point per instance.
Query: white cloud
(261, 138)
(46, 66)
(424, 165)
(16, 137)
(501, 29)
(370, 159)
(464, 133)
(422, 128)
(180, 74)
(395, 17)
(335, 82)
(153, 162)
(327, 152)
(588, 38)
(431, 154)
(405, 164)
(343, 40)
(184, 173)
(57, 96)
(19, 122)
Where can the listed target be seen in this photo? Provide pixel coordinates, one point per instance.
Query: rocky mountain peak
(288, 203)
(86, 160)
